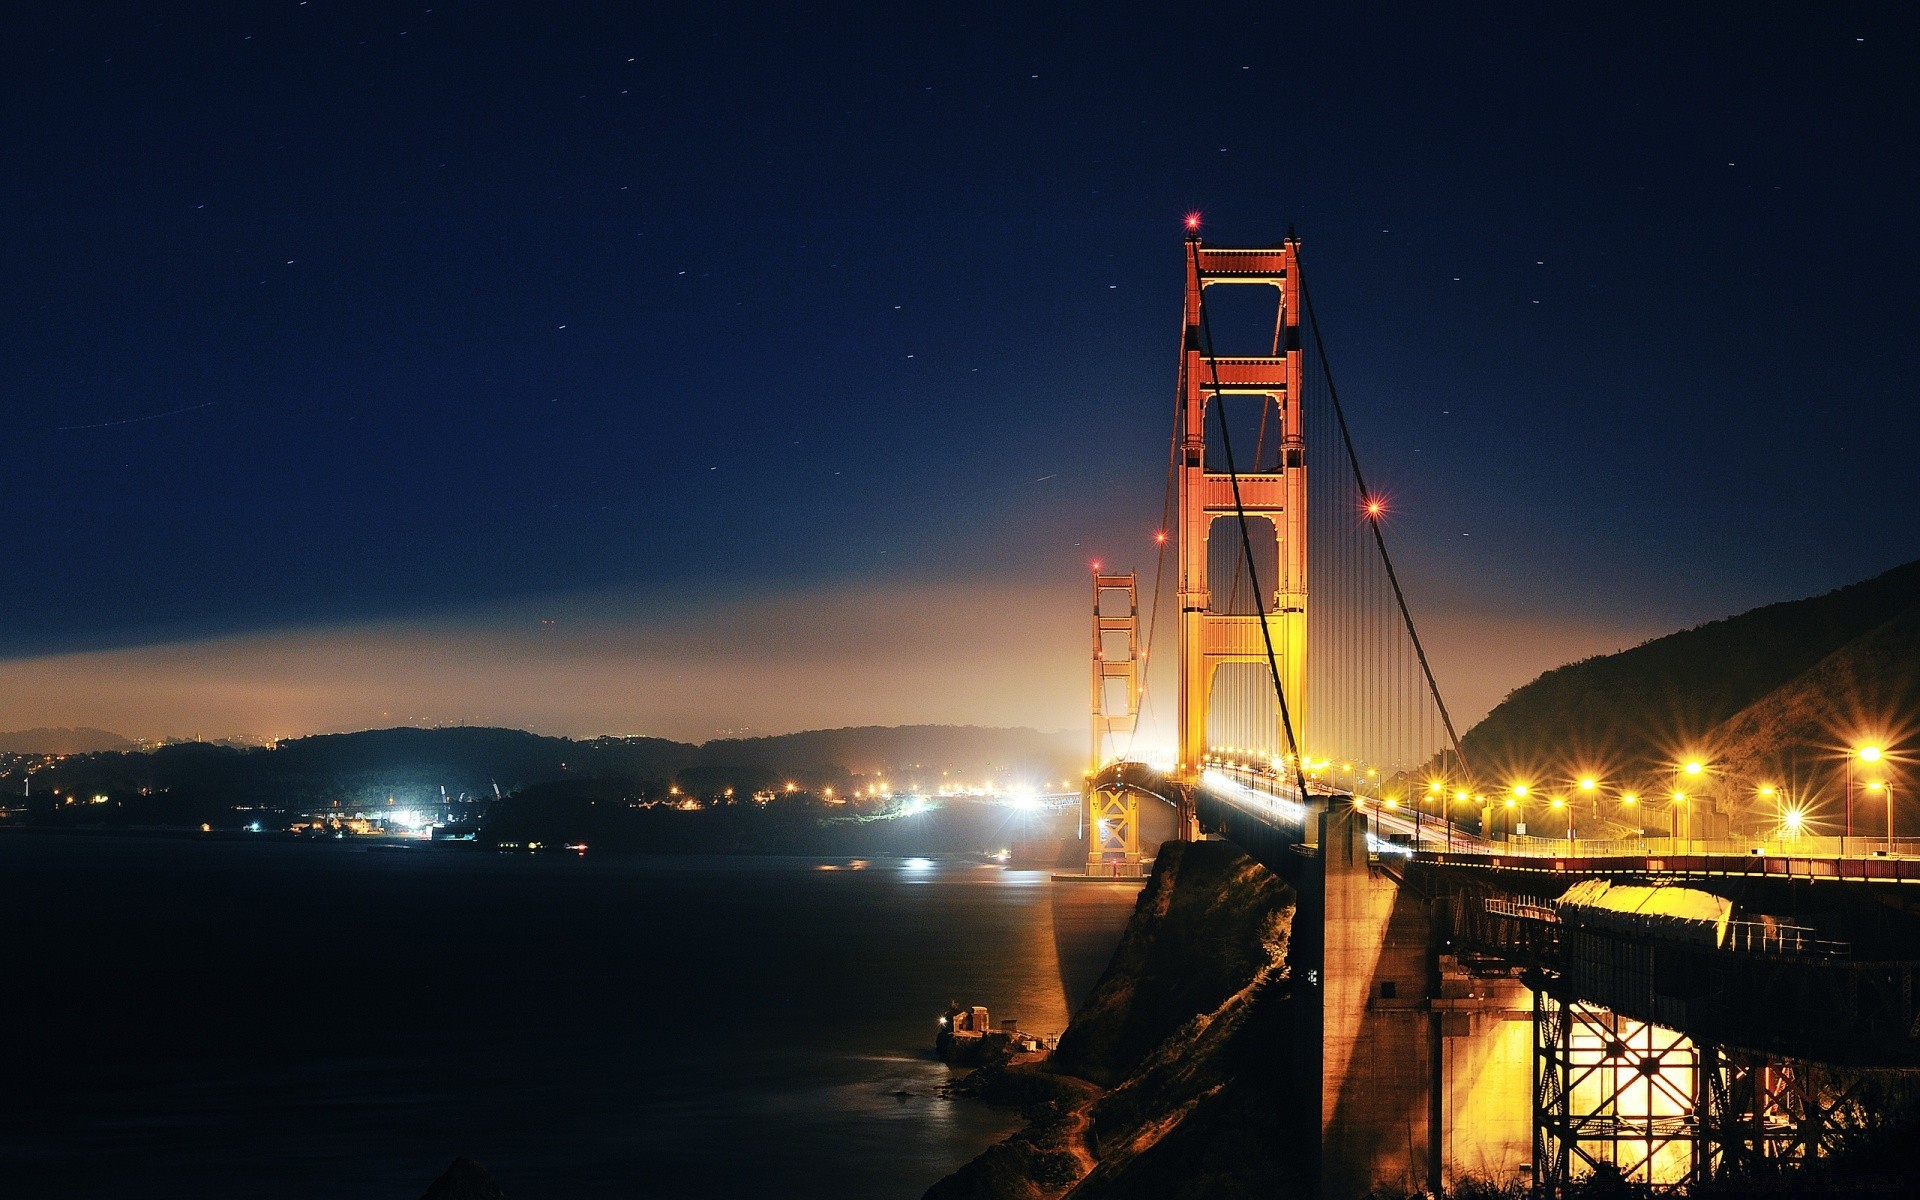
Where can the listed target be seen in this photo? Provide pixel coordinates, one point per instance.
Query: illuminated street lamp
(1767, 791)
(1511, 803)
(1866, 754)
(1881, 785)
(1560, 803)
(1674, 811)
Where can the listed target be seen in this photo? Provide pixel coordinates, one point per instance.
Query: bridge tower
(1113, 813)
(1272, 487)
(1116, 663)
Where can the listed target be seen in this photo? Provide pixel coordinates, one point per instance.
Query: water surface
(200, 1018)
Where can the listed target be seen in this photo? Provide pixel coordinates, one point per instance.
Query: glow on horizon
(826, 657)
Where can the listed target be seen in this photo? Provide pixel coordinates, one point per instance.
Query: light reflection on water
(312, 1020)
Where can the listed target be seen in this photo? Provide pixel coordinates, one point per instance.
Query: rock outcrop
(1184, 1043)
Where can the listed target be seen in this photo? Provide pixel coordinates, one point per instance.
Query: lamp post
(1866, 754)
(1675, 808)
(1881, 785)
(1691, 768)
(1628, 800)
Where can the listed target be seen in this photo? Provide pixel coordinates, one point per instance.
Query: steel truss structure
(1613, 1094)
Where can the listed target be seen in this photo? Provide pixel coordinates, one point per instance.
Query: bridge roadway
(1258, 805)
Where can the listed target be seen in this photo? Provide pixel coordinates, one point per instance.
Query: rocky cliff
(1168, 1081)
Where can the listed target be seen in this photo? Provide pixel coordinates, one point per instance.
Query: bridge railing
(1770, 937)
(1775, 847)
(1744, 936)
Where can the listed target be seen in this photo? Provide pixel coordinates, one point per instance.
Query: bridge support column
(1418, 1070)
(1113, 832)
(1366, 1023)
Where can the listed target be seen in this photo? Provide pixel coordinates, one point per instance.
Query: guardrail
(1779, 847)
(1767, 937)
(1744, 936)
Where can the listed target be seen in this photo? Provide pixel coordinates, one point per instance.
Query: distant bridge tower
(1271, 465)
(1116, 664)
(1113, 814)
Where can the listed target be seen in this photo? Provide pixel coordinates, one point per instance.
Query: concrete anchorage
(1422, 1064)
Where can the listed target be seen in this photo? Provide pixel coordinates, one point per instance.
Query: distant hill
(1773, 695)
(193, 782)
(61, 741)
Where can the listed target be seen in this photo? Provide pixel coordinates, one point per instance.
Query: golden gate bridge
(1671, 1009)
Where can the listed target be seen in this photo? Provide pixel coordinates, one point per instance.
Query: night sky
(679, 369)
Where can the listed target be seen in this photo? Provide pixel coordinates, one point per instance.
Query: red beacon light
(1193, 222)
(1375, 508)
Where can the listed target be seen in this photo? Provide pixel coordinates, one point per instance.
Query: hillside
(1769, 695)
(61, 741)
(194, 783)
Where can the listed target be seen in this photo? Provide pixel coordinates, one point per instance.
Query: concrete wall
(1403, 1039)
(1486, 1076)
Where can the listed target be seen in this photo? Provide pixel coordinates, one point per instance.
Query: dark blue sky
(458, 305)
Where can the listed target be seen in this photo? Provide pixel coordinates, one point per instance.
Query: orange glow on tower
(1275, 491)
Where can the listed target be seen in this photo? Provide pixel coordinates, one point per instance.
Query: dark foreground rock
(465, 1180)
(1184, 1044)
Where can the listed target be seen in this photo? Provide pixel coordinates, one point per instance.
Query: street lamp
(1881, 785)
(1559, 803)
(1674, 811)
(1866, 754)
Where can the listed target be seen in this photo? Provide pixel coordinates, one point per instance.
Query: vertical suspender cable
(1380, 541)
